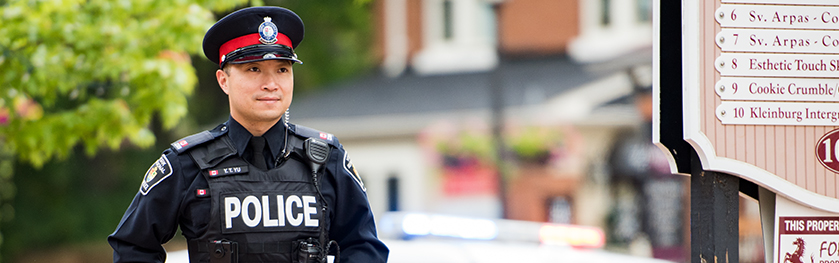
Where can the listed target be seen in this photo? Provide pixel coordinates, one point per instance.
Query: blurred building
(568, 74)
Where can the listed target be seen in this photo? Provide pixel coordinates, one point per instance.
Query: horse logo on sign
(795, 257)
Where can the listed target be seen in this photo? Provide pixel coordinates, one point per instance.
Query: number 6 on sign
(826, 150)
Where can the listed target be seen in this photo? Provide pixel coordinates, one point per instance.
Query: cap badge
(268, 31)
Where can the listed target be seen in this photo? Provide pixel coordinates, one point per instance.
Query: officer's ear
(221, 77)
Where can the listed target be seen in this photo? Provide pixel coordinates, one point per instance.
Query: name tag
(228, 171)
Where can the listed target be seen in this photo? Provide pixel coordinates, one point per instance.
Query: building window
(448, 24)
(605, 13)
(645, 10)
(393, 193)
(456, 37)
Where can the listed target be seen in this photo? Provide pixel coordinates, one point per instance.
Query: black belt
(247, 248)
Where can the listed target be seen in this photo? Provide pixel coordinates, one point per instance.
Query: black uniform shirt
(274, 138)
(153, 218)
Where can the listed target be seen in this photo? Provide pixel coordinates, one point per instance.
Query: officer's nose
(271, 85)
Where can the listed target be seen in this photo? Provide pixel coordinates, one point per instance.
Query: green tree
(93, 73)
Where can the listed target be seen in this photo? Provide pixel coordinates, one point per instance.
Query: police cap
(254, 34)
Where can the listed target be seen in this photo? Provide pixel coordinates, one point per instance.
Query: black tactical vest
(259, 216)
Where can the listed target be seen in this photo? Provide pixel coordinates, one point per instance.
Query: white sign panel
(784, 113)
(780, 65)
(778, 16)
(805, 235)
(808, 239)
(778, 89)
(767, 40)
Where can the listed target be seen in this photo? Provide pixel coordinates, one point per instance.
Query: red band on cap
(247, 40)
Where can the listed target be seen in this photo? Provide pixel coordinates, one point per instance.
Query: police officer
(255, 188)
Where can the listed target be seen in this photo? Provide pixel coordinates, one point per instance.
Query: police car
(424, 238)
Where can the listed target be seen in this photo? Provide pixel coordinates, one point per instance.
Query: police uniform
(297, 201)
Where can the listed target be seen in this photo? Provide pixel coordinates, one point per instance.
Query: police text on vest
(284, 208)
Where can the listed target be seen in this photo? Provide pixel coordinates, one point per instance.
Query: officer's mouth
(268, 99)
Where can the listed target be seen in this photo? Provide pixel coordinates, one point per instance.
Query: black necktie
(257, 145)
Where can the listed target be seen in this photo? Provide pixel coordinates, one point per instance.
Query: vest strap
(312, 133)
(184, 144)
(213, 153)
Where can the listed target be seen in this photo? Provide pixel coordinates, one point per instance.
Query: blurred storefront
(573, 118)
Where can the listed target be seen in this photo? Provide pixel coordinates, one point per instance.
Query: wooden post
(714, 216)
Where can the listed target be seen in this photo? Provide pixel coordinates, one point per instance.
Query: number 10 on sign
(826, 150)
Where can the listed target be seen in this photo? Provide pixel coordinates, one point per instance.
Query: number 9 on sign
(826, 150)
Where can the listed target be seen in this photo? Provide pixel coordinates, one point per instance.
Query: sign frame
(693, 34)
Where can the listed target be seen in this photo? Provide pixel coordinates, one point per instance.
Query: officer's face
(259, 92)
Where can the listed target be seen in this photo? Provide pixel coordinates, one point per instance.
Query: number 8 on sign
(826, 150)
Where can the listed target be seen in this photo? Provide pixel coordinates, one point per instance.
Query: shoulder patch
(312, 133)
(159, 170)
(350, 168)
(184, 144)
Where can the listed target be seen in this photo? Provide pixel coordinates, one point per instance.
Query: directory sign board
(761, 94)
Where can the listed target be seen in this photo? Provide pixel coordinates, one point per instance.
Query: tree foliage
(93, 72)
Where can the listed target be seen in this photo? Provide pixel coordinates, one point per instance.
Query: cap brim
(260, 53)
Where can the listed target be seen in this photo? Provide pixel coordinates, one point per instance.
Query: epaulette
(312, 133)
(182, 145)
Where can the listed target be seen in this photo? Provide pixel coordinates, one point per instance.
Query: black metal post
(714, 215)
